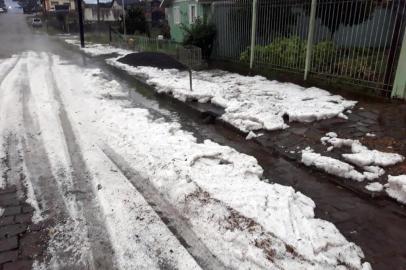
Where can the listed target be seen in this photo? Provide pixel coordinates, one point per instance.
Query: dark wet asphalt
(379, 227)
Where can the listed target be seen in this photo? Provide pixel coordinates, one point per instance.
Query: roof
(128, 2)
(101, 2)
(168, 3)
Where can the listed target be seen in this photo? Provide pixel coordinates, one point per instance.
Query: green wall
(176, 30)
(399, 85)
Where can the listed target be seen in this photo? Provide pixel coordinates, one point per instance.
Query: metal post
(253, 31)
(310, 38)
(399, 85)
(190, 79)
(124, 27)
(110, 38)
(80, 14)
(98, 12)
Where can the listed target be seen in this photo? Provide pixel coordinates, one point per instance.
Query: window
(54, 3)
(176, 15)
(192, 14)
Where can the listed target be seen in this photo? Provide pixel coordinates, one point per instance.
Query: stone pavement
(21, 241)
(386, 120)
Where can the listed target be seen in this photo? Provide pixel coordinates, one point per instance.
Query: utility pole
(80, 14)
(98, 12)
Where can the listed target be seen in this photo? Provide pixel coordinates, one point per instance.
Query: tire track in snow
(47, 193)
(13, 164)
(8, 70)
(178, 225)
(103, 253)
(35, 156)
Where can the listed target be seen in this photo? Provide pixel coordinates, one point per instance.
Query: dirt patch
(151, 59)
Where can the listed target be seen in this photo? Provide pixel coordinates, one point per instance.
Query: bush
(291, 52)
(202, 35)
(363, 67)
(284, 51)
(358, 63)
(323, 53)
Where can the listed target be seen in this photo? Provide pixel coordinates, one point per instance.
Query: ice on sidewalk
(331, 165)
(396, 188)
(96, 49)
(250, 102)
(374, 187)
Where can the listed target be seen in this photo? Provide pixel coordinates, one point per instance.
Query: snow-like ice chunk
(251, 135)
(396, 187)
(331, 166)
(368, 157)
(331, 134)
(95, 49)
(250, 103)
(361, 156)
(374, 187)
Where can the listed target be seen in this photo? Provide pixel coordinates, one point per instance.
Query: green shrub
(323, 53)
(359, 63)
(202, 35)
(284, 51)
(363, 67)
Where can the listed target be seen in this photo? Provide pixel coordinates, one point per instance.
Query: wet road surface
(378, 227)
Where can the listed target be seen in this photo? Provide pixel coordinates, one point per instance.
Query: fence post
(310, 36)
(110, 33)
(399, 85)
(253, 31)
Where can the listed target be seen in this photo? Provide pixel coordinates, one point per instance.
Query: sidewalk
(21, 241)
(377, 125)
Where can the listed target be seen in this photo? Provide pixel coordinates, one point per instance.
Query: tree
(135, 21)
(200, 34)
(273, 20)
(332, 14)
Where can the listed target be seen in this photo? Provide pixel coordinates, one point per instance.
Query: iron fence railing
(354, 41)
(142, 43)
(191, 56)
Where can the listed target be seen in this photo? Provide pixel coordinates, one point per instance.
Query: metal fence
(142, 43)
(191, 56)
(354, 41)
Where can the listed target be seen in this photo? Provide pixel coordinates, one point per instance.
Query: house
(154, 14)
(181, 13)
(129, 3)
(105, 12)
(57, 6)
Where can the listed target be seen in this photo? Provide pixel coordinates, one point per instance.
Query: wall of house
(50, 4)
(106, 14)
(177, 32)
